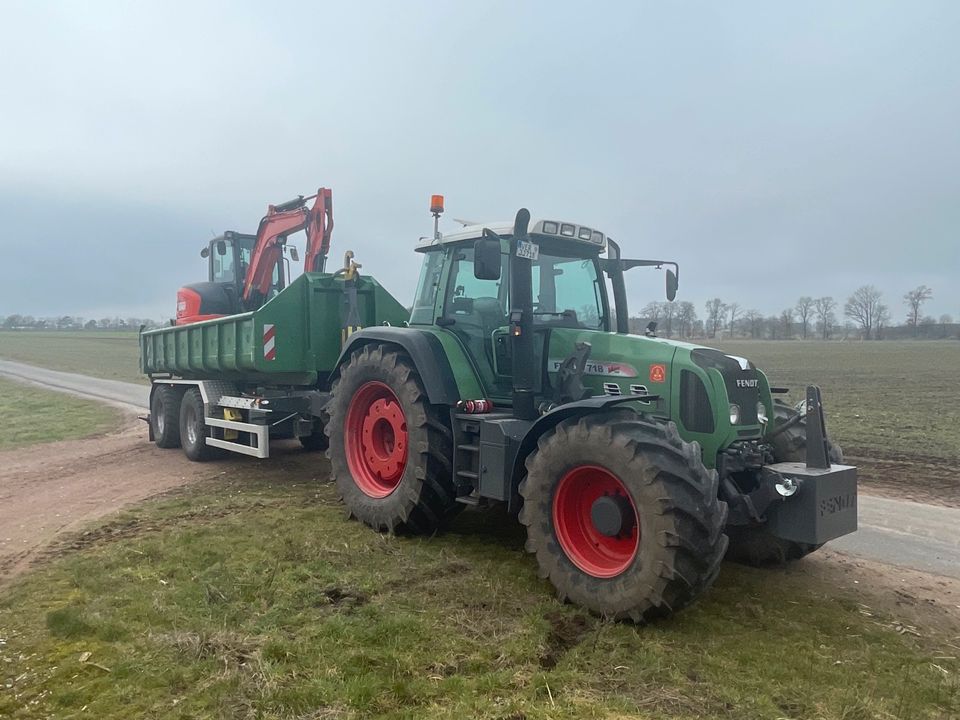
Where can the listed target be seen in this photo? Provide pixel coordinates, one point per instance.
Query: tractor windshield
(568, 292)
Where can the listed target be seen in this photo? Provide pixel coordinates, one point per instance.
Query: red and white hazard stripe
(269, 342)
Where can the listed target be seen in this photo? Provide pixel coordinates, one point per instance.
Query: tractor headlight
(762, 413)
(734, 414)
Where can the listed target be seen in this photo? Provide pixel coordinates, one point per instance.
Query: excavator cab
(228, 258)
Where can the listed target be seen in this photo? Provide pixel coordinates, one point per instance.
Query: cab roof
(559, 229)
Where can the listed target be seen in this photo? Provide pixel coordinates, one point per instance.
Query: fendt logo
(748, 383)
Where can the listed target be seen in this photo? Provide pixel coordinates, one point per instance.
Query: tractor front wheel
(390, 449)
(622, 515)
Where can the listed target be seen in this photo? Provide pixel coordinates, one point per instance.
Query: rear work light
(551, 228)
(584, 233)
(568, 230)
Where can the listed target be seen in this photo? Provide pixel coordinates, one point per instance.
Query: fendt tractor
(636, 463)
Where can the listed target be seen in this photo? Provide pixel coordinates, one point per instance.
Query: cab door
(476, 312)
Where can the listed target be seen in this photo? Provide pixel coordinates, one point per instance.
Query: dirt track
(58, 487)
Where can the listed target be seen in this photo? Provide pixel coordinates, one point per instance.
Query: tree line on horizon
(864, 313)
(864, 316)
(71, 322)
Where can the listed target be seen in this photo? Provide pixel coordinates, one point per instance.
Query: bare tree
(804, 311)
(651, 311)
(786, 319)
(716, 312)
(773, 327)
(862, 306)
(669, 313)
(824, 307)
(733, 310)
(754, 322)
(882, 321)
(914, 300)
(686, 316)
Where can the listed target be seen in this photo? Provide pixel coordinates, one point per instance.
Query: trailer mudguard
(423, 347)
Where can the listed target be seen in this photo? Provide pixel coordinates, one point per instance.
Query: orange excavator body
(250, 290)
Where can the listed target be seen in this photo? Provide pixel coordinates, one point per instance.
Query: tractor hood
(715, 398)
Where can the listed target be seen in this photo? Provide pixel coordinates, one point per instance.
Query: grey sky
(773, 149)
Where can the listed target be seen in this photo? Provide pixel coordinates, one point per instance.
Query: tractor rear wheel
(390, 449)
(755, 545)
(165, 415)
(623, 516)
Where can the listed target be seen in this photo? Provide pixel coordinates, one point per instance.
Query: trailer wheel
(754, 545)
(622, 515)
(165, 415)
(390, 449)
(193, 428)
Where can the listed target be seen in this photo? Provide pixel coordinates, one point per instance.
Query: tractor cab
(228, 259)
(465, 288)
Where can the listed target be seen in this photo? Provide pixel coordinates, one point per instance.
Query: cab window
(567, 292)
(223, 267)
(426, 295)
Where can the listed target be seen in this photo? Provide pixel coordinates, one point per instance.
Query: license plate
(528, 250)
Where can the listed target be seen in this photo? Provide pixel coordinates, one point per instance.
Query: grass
(882, 399)
(111, 355)
(248, 598)
(32, 415)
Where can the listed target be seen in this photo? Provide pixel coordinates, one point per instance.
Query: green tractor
(635, 463)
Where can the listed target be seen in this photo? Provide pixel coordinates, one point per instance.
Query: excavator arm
(279, 222)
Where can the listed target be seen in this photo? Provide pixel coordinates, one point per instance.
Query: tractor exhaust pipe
(521, 322)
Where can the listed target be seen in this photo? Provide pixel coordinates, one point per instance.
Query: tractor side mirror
(205, 252)
(486, 259)
(221, 247)
(672, 284)
(294, 255)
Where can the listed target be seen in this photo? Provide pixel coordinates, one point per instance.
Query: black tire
(193, 428)
(791, 445)
(754, 545)
(317, 441)
(165, 415)
(680, 542)
(419, 494)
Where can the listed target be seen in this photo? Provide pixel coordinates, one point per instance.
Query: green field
(45, 415)
(883, 399)
(111, 355)
(251, 598)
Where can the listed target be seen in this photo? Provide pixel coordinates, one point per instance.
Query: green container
(295, 339)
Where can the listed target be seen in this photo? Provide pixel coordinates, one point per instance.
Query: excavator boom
(279, 222)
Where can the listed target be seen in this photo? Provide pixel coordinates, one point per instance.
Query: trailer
(234, 382)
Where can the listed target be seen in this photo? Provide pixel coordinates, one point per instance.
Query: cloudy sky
(773, 149)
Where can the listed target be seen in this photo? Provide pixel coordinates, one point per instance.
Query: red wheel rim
(597, 554)
(376, 439)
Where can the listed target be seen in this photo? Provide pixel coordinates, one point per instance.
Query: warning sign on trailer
(269, 342)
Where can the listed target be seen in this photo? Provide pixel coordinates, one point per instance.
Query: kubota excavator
(247, 270)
